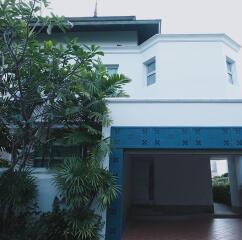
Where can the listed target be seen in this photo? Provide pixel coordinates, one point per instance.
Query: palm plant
(89, 112)
(18, 191)
(84, 184)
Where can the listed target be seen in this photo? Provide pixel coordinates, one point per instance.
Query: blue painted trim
(217, 138)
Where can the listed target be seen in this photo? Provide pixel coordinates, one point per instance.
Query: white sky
(178, 16)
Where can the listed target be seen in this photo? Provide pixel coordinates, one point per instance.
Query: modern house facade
(184, 108)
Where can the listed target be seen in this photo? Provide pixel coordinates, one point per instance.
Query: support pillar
(235, 178)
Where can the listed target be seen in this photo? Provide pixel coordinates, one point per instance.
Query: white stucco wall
(187, 67)
(46, 189)
(159, 112)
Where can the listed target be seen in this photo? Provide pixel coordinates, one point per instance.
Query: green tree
(52, 92)
(25, 77)
(44, 84)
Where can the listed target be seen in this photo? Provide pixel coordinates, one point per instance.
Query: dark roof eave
(137, 22)
(145, 28)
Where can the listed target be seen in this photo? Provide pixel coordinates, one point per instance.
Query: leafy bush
(58, 225)
(50, 225)
(221, 189)
(18, 191)
(83, 182)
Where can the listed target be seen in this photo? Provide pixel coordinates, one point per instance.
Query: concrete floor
(185, 229)
(222, 210)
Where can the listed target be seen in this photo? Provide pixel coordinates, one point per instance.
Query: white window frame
(112, 66)
(231, 74)
(148, 74)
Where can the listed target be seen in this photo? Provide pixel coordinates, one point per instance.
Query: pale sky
(178, 16)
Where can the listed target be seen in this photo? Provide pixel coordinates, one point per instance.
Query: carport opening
(159, 183)
(221, 186)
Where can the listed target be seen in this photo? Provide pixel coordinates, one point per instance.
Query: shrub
(221, 190)
(18, 191)
(50, 225)
(81, 183)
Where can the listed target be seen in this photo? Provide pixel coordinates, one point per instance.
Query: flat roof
(145, 28)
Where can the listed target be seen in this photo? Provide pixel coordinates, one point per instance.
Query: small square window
(112, 69)
(150, 71)
(230, 64)
(54, 155)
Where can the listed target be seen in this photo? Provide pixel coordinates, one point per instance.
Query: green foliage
(221, 189)
(21, 76)
(50, 225)
(61, 224)
(18, 191)
(45, 85)
(83, 182)
(84, 225)
(31, 73)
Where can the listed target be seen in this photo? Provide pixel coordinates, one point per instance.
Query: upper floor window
(230, 70)
(150, 71)
(54, 155)
(112, 69)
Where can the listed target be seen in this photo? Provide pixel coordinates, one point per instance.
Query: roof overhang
(145, 28)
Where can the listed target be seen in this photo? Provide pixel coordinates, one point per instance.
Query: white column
(239, 178)
(235, 178)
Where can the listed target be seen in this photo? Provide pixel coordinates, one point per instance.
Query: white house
(184, 108)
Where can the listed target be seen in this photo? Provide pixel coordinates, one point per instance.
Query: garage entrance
(166, 184)
(165, 171)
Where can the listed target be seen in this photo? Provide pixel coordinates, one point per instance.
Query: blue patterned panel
(177, 137)
(137, 137)
(236, 140)
(123, 137)
(114, 227)
(212, 138)
(114, 212)
(171, 137)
